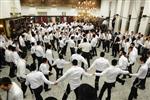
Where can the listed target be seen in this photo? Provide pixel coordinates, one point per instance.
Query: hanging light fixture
(85, 8)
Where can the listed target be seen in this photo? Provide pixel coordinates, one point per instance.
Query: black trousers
(39, 61)
(2, 57)
(33, 57)
(115, 49)
(107, 45)
(133, 92)
(53, 44)
(46, 85)
(12, 71)
(130, 68)
(37, 93)
(59, 73)
(107, 86)
(72, 50)
(23, 86)
(87, 56)
(97, 80)
(94, 52)
(67, 92)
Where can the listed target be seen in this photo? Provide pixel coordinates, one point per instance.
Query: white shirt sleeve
(45, 80)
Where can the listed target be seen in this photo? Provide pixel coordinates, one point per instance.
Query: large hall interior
(74, 49)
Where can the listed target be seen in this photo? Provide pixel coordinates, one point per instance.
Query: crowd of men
(82, 40)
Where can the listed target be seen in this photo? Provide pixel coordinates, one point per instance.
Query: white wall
(53, 11)
(9, 6)
(145, 20)
(104, 10)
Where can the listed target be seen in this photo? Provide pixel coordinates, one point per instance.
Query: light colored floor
(118, 93)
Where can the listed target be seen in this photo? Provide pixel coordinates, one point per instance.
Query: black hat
(87, 92)
(5, 80)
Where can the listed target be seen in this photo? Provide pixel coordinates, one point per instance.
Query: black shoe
(142, 88)
(47, 89)
(123, 82)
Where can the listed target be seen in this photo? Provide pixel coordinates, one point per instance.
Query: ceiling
(55, 3)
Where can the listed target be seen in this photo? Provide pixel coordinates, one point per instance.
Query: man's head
(142, 60)
(114, 62)
(102, 54)
(74, 62)
(5, 83)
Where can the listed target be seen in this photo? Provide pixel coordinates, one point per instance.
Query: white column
(145, 20)
(104, 8)
(113, 11)
(135, 12)
(125, 15)
(5, 8)
(118, 19)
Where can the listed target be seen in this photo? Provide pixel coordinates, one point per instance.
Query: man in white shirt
(77, 56)
(21, 72)
(123, 62)
(60, 64)
(140, 79)
(100, 65)
(22, 44)
(93, 44)
(14, 57)
(44, 68)
(111, 74)
(14, 92)
(86, 48)
(33, 47)
(36, 80)
(74, 74)
(148, 60)
(50, 57)
(8, 53)
(132, 58)
(51, 38)
(39, 52)
(71, 44)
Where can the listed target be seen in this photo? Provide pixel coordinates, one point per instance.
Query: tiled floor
(118, 93)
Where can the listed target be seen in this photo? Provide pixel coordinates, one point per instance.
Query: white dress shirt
(60, 63)
(86, 47)
(2, 41)
(21, 68)
(123, 62)
(127, 45)
(61, 43)
(36, 79)
(100, 64)
(74, 75)
(132, 57)
(44, 68)
(71, 43)
(49, 55)
(15, 92)
(142, 72)
(8, 54)
(94, 42)
(111, 73)
(33, 40)
(79, 58)
(39, 51)
(21, 41)
(46, 39)
(15, 57)
(33, 49)
(148, 62)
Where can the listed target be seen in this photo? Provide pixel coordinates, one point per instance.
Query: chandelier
(85, 8)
